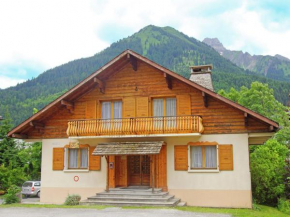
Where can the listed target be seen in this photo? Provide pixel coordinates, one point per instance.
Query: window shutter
(142, 107)
(226, 157)
(129, 107)
(180, 157)
(58, 159)
(91, 109)
(94, 161)
(183, 105)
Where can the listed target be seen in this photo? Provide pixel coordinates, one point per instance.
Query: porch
(134, 164)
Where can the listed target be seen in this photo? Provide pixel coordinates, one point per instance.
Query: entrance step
(181, 203)
(133, 197)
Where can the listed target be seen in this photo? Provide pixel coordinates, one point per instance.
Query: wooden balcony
(135, 126)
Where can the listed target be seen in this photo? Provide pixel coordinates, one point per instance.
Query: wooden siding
(218, 117)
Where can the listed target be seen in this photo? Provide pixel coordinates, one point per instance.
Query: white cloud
(45, 34)
(8, 82)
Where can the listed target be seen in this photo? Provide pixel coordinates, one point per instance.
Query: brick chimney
(202, 76)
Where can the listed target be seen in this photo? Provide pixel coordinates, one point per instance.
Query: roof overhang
(128, 148)
(259, 138)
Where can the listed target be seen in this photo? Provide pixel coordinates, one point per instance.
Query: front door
(139, 170)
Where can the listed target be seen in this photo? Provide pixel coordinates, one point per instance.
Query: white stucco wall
(200, 189)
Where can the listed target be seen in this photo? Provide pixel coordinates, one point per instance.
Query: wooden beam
(204, 99)
(246, 119)
(19, 136)
(101, 84)
(133, 61)
(37, 125)
(168, 81)
(271, 128)
(68, 105)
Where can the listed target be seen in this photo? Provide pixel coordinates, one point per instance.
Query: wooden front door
(139, 170)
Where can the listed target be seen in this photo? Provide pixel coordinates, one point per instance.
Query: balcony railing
(135, 126)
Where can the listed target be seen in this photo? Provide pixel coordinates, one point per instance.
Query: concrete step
(131, 199)
(181, 203)
(132, 194)
(172, 202)
(135, 190)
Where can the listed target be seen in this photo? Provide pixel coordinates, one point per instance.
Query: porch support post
(153, 172)
(107, 182)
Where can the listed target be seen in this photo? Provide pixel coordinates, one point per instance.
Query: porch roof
(128, 148)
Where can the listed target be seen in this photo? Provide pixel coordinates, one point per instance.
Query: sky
(37, 35)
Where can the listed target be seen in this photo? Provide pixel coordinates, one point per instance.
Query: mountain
(166, 46)
(275, 67)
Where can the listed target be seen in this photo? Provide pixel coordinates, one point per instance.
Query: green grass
(260, 211)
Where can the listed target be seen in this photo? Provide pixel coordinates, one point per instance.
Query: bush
(268, 172)
(284, 205)
(73, 199)
(11, 196)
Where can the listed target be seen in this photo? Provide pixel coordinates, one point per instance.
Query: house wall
(216, 189)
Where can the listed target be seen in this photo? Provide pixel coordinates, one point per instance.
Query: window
(164, 107)
(112, 110)
(78, 158)
(203, 157)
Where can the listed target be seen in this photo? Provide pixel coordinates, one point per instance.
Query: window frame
(79, 159)
(66, 159)
(203, 169)
(164, 105)
(112, 107)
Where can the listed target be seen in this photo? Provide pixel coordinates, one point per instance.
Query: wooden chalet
(135, 123)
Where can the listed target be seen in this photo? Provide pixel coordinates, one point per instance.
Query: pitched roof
(118, 62)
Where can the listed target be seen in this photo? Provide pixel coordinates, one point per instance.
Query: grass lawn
(261, 211)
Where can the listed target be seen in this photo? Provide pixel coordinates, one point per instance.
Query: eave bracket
(133, 62)
(68, 105)
(168, 81)
(205, 99)
(101, 85)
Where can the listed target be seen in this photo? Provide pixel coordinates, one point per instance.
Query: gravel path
(108, 212)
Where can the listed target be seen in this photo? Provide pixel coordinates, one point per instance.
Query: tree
(270, 173)
(259, 98)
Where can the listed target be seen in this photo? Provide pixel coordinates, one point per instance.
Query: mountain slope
(275, 67)
(166, 46)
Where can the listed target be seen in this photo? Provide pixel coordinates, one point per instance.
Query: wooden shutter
(183, 105)
(129, 107)
(161, 169)
(94, 161)
(58, 159)
(91, 109)
(226, 157)
(180, 157)
(142, 106)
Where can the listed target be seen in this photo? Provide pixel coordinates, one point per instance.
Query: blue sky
(38, 35)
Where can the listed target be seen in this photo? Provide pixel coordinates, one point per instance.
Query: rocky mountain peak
(215, 44)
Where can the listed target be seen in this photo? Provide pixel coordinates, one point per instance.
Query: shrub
(11, 196)
(284, 205)
(268, 172)
(73, 199)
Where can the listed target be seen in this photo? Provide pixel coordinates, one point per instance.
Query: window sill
(203, 171)
(76, 171)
